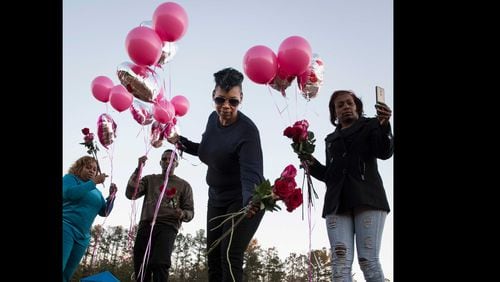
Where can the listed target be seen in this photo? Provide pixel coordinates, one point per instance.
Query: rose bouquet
(303, 145)
(89, 143)
(266, 197)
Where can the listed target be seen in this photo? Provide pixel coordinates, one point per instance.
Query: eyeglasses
(221, 100)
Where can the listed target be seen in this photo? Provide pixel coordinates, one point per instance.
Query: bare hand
(307, 158)
(179, 213)
(383, 112)
(99, 178)
(254, 208)
(173, 139)
(112, 189)
(142, 161)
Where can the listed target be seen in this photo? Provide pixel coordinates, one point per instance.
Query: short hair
(228, 78)
(172, 151)
(331, 105)
(77, 167)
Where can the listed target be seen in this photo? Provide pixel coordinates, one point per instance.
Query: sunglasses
(221, 100)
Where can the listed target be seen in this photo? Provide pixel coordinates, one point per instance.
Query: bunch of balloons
(294, 59)
(150, 45)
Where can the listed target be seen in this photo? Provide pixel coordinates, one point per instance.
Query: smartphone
(380, 94)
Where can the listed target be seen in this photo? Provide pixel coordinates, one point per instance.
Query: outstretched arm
(135, 187)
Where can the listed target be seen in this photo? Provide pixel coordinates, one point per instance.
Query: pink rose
(289, 172)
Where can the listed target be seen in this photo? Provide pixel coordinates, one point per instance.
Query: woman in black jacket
(355, 199)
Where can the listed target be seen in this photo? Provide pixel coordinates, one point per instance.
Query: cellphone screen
(380, 94)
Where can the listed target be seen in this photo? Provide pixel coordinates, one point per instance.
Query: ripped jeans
(368, 226)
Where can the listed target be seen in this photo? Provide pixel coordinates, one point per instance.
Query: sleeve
(188, 146)
(317, 170)
(382, 140)
(251, 165)
(108, 207)
(187, 204)
(134, 189)
(73, 189)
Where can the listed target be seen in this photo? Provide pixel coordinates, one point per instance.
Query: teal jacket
(82, 201)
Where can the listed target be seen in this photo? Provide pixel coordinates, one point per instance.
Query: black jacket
(351, 172)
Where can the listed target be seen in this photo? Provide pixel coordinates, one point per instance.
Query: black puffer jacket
(351, 172)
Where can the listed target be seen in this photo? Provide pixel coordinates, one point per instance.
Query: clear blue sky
(353, 38)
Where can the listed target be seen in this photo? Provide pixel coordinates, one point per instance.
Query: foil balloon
(142, 112)
(281, 82)
(156, 136)
(141, 81)
(167, 53)
(106, 130)
(171, 129)
(312, 79)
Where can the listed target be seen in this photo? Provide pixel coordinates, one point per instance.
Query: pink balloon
(294, 55)
(143, 46)
(170, 21)
(120, 98)
(163, 111)
(100, 87)
(181, 105)
(260, 64)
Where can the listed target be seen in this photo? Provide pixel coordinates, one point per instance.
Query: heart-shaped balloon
(142, 112)
(281, 82)
(106, 130)
(156, 136)
(141, 81)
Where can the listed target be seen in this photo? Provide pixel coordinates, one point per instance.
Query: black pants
(218, 267)
(162, 245)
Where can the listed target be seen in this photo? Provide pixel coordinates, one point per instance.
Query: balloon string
(310, 238)
(169, 81)
(276, 105)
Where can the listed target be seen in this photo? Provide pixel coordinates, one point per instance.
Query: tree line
(111, 249)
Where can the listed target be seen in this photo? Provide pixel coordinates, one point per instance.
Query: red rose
(294, 201)
(283, 188)
(171, 192)
(85, 131)
(89, 138)
(289, 132)
(303, 123)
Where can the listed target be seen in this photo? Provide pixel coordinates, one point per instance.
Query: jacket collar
(348, 131)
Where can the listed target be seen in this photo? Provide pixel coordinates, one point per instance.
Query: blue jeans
(368, 226)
